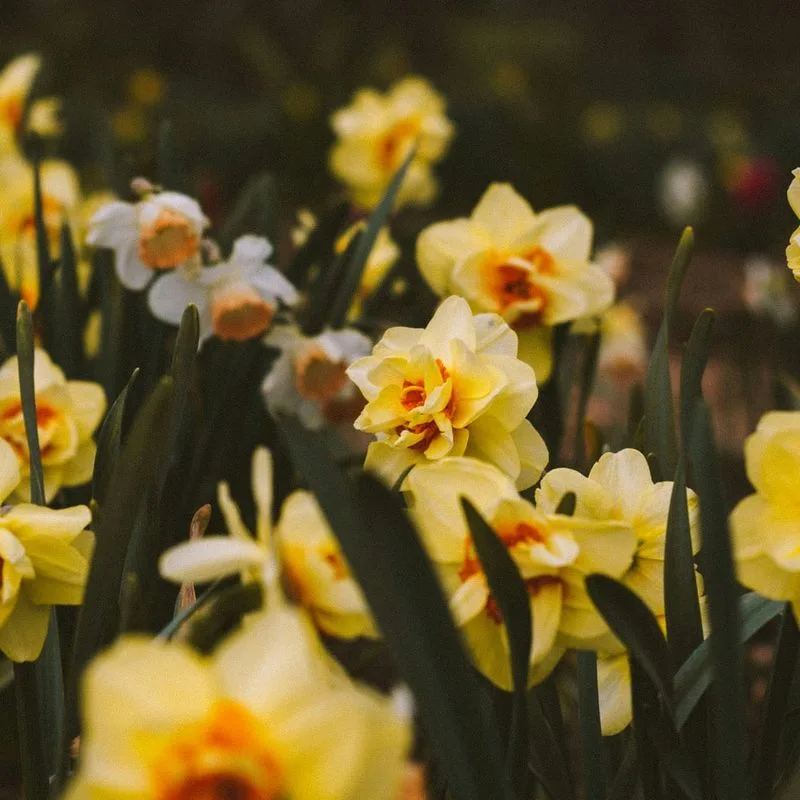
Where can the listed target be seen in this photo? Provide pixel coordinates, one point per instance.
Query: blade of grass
(27, 391)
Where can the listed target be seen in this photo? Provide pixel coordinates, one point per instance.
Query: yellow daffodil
(623, 347)
(44, 561)
(316, 571)
(765, 526)
(554, 554)
(160, 232)
(375, 134)
(793, 250)
(265, 717)
(532, 269)
(60, 198)
(309, 379)
(67, 413)
(236, 299)
(305, 550)
(619, 489)
(454, 388)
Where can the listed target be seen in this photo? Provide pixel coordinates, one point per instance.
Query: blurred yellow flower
(146, 86)
(375, 134)
(44, 561)
(765, 526)
(622, 355)
(67, 413)
(793, 250)
(619, 488)
(316, 572)
(554, 554)
(532, 269)
(60, 199)
(454, 388)
(266, 717)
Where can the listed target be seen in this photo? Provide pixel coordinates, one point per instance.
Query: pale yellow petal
(489, 441)
(469, 599)
(88, 406)
(485, 640)
(230, 511)
(452, 320)
(9, 470)
(626, 476)
(614, 690)
(532, 452)
(207, 559)
(79, 469)
(441, 246)
(546, 602)
(591, 499)
(565, 232)
(503, 215)
(513, 404)
(23, 633)
(536, 350)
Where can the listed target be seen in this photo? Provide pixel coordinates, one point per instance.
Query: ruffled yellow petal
(88, 406)
(626, 475)
(536, 350)
(443, 245)
(503, 215)
(23, 633)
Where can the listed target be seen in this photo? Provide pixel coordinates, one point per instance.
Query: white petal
(207, 559)
(271, 284)
(251, 249)
(172, 293)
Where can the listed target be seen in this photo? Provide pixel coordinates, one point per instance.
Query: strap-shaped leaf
(319, 245)
(27, 391)
(8, 314)
(693, 366)
(595, 769)
(399, 582)
(67, 345)
(256, 212)
(44, 263)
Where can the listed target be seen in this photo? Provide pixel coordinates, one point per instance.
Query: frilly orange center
(168, 241)
(11, 113)
(238, 312)
(394, 145)
(48, 420)
(319, 378)
(413, 395)
(226, 756)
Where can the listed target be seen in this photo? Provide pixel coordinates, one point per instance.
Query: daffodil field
(273, 531)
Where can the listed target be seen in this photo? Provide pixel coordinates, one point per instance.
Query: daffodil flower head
(44, 561)
(309, 379)
(265, 717)
(765, 526)
(162, 231)
(453, 388)
(60, 199)
(236, 299)
(67, 415)
(793, 249)
(619, 488)
(375, 134)
(15, 84)
(553, 552)
(316, 572)
(532, 269)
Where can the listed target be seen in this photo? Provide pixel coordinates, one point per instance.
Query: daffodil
(44, 561)
(375, 134)
(619, 489)
(236, 299)
(765, 526)
(60, 199)
(793, 250)
(554, 553)
(454, 388)
(67, 414)
(316, 571)
(161, 231)
(265, 717)
(532, 269)
(309, 378)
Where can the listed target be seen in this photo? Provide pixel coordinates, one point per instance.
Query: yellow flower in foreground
(554, 554)
(44, 561)
(765, 526)
(619, 489)
(375, 135)
(454, 388)
(793, 250)
(304, 549)
(266, 717)
(532, 269)
(60, 198)
(67, 413)
(15, 84)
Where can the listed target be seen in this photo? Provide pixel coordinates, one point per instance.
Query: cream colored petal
(536, 350)
(764, 576)
(747, 527)
(793, 193)
(37, 524)
(565, 232)
(518, 396)
(79, 469)
(469, 599)
(230, 511)
(204, 560)
(614, 689)
(503, 215)
(546, 602)
(441, 246)
(262, 494)
(452, 320)
(626, 475)
(489, 441)
(481, 384)
(88, 406)
(591, 499)
(9, 470)
(494, 337)
(598, 288)
(646, 579)
(172, 293)
(605, 546)
(484, 638)
(533, 454)
(389, 463)
(23, 633)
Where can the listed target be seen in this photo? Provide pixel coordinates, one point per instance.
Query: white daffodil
(236, 299)
(309, 378)
(160, 232)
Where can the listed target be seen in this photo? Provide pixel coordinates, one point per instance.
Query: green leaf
(256, 212)
(511, 594)
(659, 415)
(588, 369)
(633, 623)
(8, 314)
(109, 443)
(696, 674)
(406, 600)
(624, 783)
(320, 243)
(68, 344)
(184, 357)
(546, 758)
(128, 487)
(358, 260)
(721, 588)
(645, 704)
(31, 733)
(595, 768)
(45, 265)
(776, 704)
(674, 757)
(694, 364)
(27, 391)
(223, 615)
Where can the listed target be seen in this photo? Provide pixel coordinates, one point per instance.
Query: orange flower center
(239, 313)
(12, 428)
(318, 377)
(511, 536)
(335, 561)
(394, 145)
(168, 241)
(11, 112)
(413, 395)
(224, 757)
